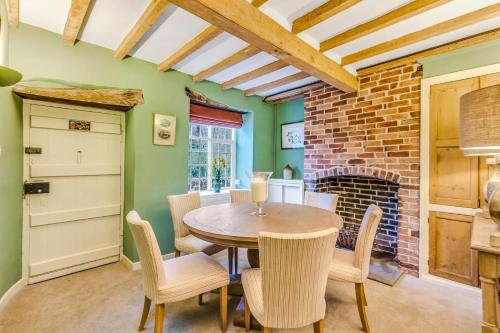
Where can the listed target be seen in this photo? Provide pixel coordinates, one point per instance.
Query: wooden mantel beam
(426, 33)
(152, 12)
(246, 22)
(321, 13)
(78, 11)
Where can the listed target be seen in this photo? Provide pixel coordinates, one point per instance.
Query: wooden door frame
(425, 205)
(27, 103)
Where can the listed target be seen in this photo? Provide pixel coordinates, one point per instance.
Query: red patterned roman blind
(207, 115)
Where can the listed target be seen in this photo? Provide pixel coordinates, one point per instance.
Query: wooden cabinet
(453, 176)
(449, 248)
(454, 180)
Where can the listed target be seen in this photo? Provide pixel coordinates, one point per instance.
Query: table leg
(488, 276)
(253, 258)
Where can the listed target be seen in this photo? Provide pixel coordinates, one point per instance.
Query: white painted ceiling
(110, 21)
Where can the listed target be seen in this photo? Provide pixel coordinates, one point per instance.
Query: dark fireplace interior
(356, 193)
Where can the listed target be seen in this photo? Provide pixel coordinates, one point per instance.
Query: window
(205, 144)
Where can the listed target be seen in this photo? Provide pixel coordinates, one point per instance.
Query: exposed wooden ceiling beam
(269, 68)
(393, 17)
(78, 11)
(239, 56)
(432, 31)
(275, 84)
(251, 25)
(258, 3)
(152, 12)
(469, 41)
(195, 44)
(12, 7)
(292, 94)
(321, 13)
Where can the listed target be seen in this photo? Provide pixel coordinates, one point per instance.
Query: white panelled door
(77, 225)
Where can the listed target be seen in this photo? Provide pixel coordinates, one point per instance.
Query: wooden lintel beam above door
(275, 84)
(402, 13)
(246, 22)
(194, 44)
(239, 56)
(321, 13)
(152, 12)
(432, 31)
(76, 16)
(266, 69)
(12, 7)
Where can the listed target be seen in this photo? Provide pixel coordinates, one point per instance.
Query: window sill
(211, 198)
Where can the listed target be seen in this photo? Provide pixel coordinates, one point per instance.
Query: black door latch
(39, 187)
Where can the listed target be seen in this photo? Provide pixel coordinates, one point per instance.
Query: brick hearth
(373, 132)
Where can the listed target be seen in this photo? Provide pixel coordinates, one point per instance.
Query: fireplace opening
(356, 193)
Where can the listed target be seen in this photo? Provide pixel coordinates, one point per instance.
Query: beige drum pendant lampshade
(480, 121)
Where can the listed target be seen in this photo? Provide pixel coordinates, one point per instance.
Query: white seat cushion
(191, 275)
(342, 267)
(252, 285)
(191, 244)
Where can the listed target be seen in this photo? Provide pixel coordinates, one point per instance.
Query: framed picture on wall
(164, 129)
(292, 135)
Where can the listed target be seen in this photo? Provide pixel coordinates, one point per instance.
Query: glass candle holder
(259, 190)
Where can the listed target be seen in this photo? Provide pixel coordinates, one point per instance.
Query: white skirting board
(135, 266)
(11, 292)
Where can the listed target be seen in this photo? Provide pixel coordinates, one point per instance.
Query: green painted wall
(11, 179)
(151, 172)
(483, 54)
(287, 113)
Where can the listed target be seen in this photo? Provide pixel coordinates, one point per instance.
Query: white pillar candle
(259, 190)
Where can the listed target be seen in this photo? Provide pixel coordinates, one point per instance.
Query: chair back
(240, 196)
(326, 201)
(366, 236)
(149, 254)
(294, 270)
(180, 205)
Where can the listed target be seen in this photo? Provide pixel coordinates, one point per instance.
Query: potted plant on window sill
(218, 167)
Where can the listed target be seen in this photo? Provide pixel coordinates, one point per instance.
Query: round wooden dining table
(233, 225)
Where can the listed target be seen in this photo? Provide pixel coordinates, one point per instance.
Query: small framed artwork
(164, 129)
(292, 135)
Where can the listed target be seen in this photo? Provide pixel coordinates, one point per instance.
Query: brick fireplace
(370, 138)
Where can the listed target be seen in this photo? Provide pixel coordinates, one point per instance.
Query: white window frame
(211, 140)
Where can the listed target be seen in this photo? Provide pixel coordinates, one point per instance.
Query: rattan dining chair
(326, 201)
(353, 266)
(288, 290)
(176, 279)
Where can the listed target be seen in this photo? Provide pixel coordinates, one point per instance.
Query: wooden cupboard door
(453, 177)
(489, 80)
(450, 255)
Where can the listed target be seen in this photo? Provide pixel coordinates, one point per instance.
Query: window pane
(204, 184)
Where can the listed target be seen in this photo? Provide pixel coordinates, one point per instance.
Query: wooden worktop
(481, 230)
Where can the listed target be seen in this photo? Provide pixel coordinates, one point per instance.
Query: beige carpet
(109, 299)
